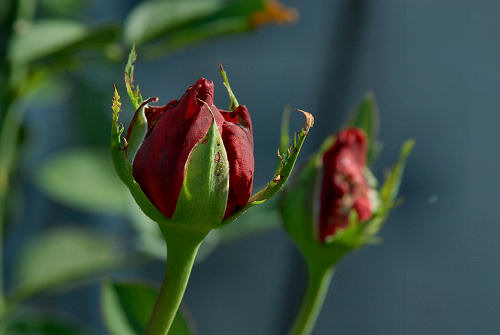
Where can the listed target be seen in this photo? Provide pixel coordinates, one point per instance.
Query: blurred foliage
(60, 256)
(94, 187)
(33, 323)
(127, 306)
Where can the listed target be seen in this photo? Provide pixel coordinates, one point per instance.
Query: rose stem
(319, 278)
(182, 248)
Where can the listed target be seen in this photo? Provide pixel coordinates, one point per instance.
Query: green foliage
(54, 37)
(63, 8)
(84, 179)
(43, 325)
(127, 306)
(154, 19)
(166, 25)
(60, 256)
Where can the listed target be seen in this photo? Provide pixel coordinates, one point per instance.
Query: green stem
(319, 278)
(182, 248)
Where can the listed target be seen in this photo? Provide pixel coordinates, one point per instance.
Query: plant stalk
(181, 252)
(319, 278)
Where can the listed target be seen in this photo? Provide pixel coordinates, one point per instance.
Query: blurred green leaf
(127, 306)
(63, 8)
(43, 325)
(46, 38)
(84, 179)
(61, 256)
(152, 19)
(195, 34)
(366, 116)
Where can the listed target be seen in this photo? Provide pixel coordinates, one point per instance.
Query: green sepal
(287, 161)
(366, 116)
(133, 93)
(390, 189)
(203, 197)
(138, 131)
(123, 167)
(232, 98)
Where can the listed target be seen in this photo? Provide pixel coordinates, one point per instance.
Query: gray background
(434, 68)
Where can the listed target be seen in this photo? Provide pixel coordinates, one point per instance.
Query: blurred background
(433, 67)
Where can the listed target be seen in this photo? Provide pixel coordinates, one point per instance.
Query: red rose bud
(170, 147)
(343, 184)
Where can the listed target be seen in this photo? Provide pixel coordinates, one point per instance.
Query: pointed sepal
(138, 130)
(233, 102)
(287, 162)
(133, 90)
(389, 191)
(203, 197)
(123, 167)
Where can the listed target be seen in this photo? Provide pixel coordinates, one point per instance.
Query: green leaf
(196, 33)
(124, 169)
(366, 116)
(152, 19)
(43, 325)
(84, 179)
(46, 38)
(61, 256)
(288, 159)
(62, 8)
(127, 306)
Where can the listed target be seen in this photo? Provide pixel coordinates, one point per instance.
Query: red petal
(343, 183)
(238, 141)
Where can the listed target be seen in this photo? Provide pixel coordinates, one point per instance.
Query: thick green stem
(182, 248)
(319, 279)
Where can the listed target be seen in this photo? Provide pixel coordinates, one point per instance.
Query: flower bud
(343, 184)
(333, 205)
(166, 147)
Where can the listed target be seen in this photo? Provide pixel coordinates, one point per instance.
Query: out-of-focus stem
(319, 279)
